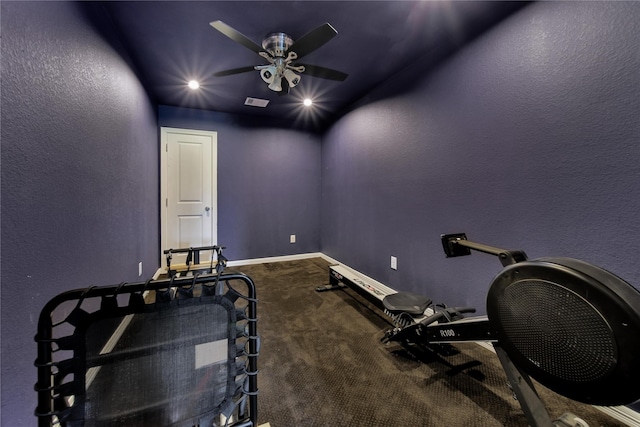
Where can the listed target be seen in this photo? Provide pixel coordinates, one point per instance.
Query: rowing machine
(570, 325)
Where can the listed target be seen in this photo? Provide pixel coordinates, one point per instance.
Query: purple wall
(268, 183)
(79, 174)
(528, 138)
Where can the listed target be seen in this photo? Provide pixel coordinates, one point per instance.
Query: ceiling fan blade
(324, 73)
(236, 36)
(313, 40)
(234, 71)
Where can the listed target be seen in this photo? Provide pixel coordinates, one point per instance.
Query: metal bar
(45, 380)
(253, 348)
(129, 288)
(480, 247)
(507, 257)
(525, 392)
(199, 248)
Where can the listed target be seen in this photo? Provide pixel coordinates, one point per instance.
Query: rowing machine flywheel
(572, 326)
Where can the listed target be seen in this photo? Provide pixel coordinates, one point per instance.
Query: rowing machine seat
(406, 302)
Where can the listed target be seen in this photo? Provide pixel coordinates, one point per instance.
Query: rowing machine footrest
(446, 315)
(406, 302)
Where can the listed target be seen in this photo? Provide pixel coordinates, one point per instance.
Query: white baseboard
(623, 414)
(274, 259)
(252, 261)
(331, 260)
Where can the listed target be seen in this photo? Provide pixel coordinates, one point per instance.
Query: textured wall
(268, 183)
(79, 174)
(528, 138)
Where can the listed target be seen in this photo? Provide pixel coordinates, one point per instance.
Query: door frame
(164, 158)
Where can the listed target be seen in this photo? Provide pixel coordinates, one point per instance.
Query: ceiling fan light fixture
(268, 74)
(307, 102)
(276, 86)
(291, 77)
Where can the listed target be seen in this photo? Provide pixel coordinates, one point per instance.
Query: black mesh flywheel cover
(570, 325)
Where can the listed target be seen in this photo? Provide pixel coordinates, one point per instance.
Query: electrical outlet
(292, 238)
(140, 269)
(394, 263)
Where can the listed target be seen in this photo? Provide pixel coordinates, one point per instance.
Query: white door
(188, 190)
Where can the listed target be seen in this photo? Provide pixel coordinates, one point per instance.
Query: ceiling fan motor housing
(277, 43)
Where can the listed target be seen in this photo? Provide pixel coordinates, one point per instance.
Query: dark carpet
(322, 364)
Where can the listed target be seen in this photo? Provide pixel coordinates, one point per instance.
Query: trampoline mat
(166, 364)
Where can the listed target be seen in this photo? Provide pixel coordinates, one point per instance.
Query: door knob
(207, 208)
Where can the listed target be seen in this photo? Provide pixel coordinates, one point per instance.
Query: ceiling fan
(281, 51)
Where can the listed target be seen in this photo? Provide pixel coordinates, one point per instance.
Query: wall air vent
(256, 102)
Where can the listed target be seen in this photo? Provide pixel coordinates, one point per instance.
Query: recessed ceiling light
(194, 84)
(307, 102)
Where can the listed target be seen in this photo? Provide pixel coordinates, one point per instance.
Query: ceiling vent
(256, 102)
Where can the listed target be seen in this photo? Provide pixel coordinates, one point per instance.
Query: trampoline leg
(525, 392)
